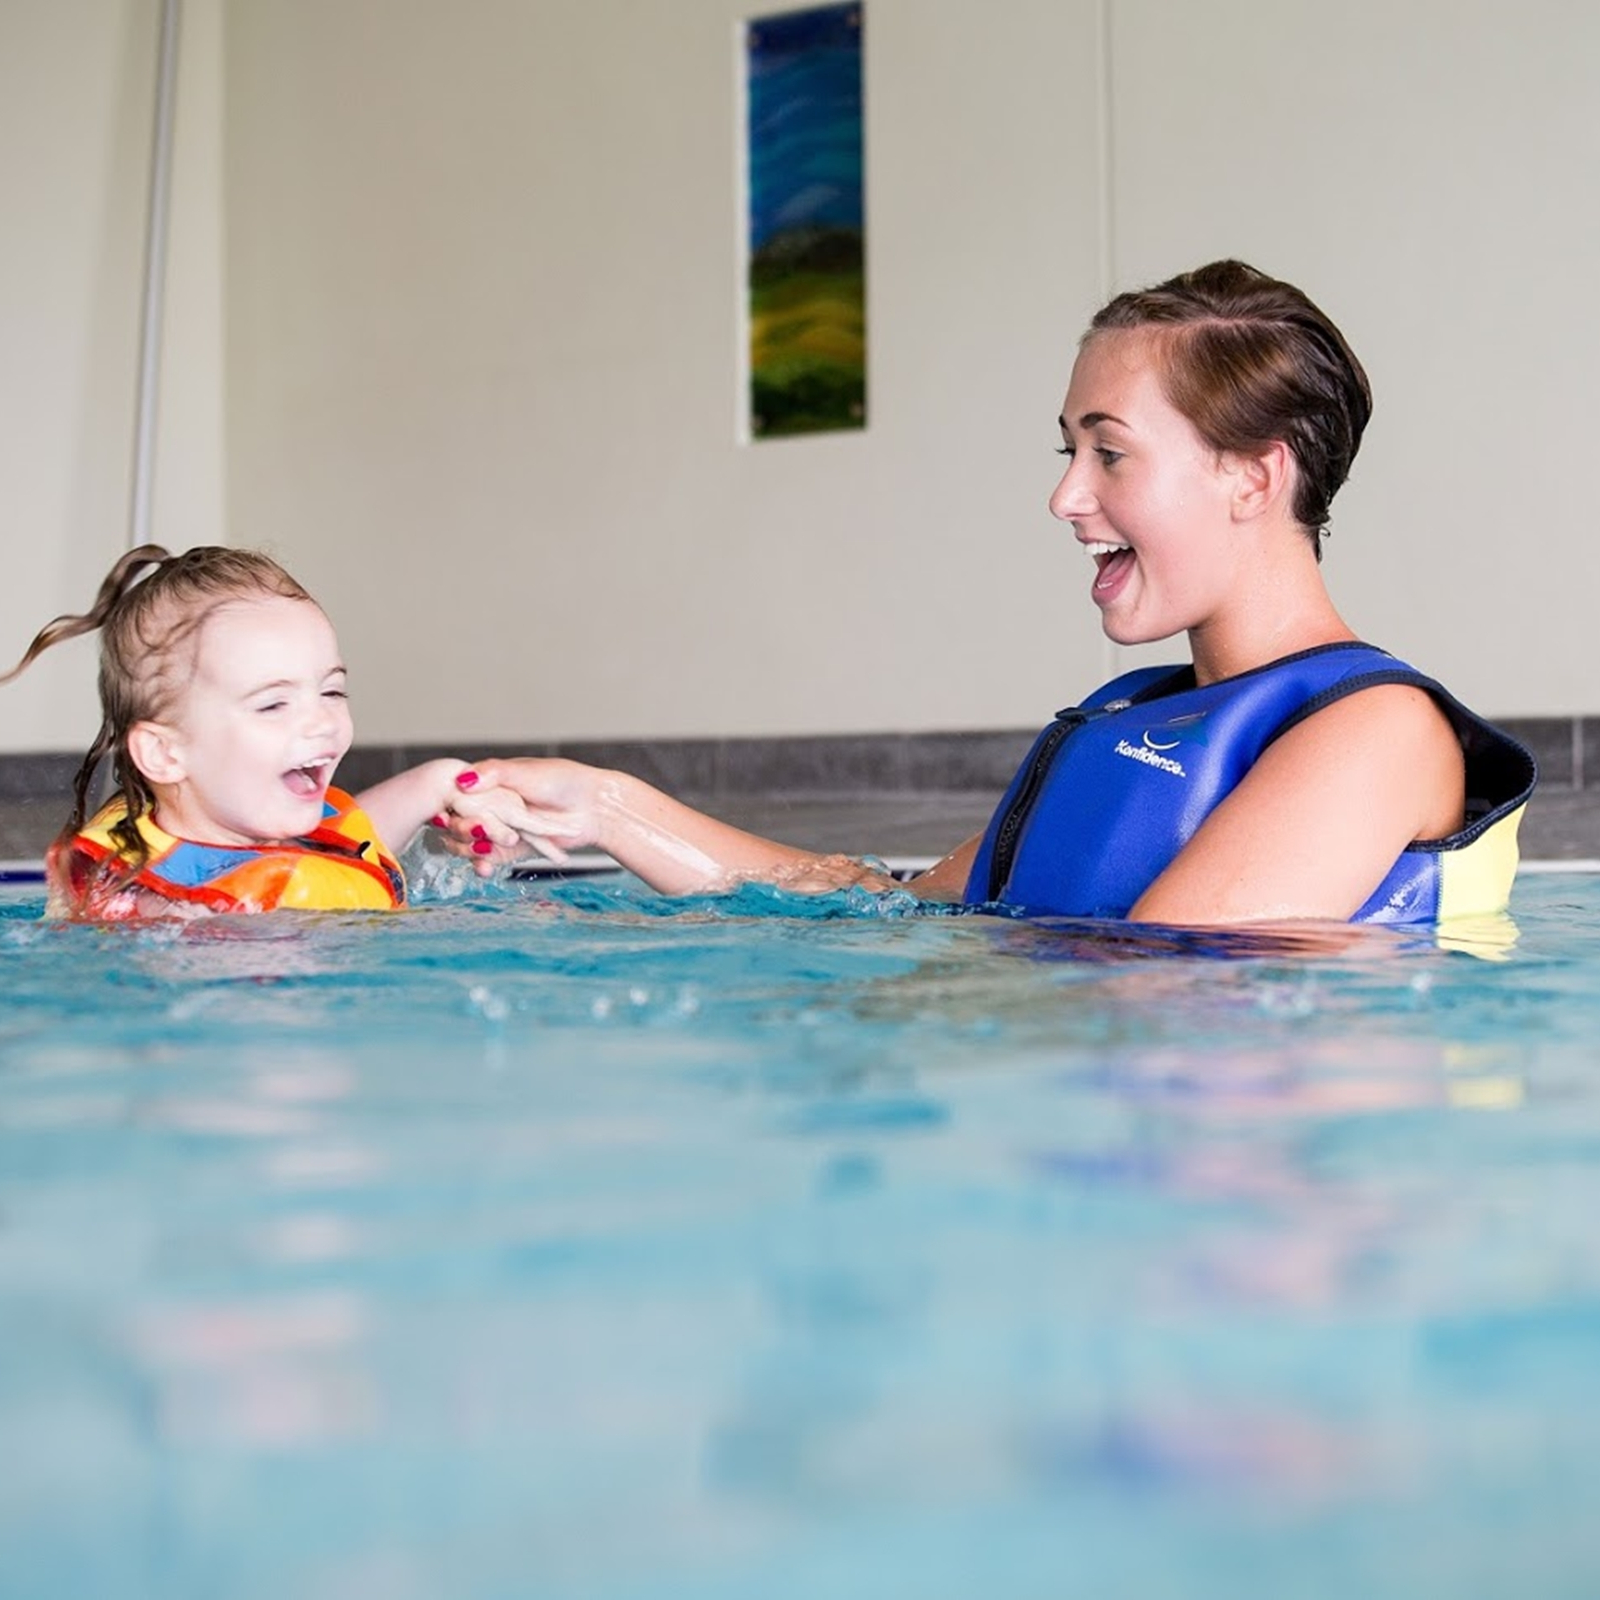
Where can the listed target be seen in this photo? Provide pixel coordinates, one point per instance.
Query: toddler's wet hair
(151, 604)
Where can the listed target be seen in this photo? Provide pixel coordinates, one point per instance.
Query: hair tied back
(119, 582)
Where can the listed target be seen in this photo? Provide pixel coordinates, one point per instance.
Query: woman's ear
(1263, 481)
(154, 749)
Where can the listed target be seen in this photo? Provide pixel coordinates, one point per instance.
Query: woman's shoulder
(1397, 739)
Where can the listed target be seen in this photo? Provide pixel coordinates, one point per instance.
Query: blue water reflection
(575, 1242)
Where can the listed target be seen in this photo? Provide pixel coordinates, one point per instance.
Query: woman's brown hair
(1251, 361)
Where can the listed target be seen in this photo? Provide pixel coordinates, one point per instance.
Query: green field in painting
(807, 351)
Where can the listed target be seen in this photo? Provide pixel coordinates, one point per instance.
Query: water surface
(572, 1242)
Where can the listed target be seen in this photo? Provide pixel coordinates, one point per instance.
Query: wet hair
(1251, 361)
(149, 611)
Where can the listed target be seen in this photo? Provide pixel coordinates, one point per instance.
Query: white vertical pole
(155, 270)
(1106, 117)
(1113, 659)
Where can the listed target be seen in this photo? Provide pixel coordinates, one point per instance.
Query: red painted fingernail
(466, 780)
(482, 847)
(439, 822)
(478, 833)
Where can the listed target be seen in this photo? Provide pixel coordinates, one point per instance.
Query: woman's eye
(1109, 457)
(1065, 450)
(272, 705)
(335, 694)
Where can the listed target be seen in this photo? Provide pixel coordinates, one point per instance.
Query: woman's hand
(505, 810)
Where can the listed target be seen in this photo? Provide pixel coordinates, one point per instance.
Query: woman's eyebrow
(1092, 419)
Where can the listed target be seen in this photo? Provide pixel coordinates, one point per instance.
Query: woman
(1288, 771)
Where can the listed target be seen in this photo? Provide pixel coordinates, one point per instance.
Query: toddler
(224, 713)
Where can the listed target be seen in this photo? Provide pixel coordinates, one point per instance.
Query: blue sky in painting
(805, 120)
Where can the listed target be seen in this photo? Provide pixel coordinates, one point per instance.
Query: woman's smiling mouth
(1108, 558)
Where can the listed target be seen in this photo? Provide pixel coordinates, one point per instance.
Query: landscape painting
(807, 279)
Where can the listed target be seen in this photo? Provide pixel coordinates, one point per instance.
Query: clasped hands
(509, 809)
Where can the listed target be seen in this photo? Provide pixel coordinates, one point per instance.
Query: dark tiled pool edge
(712, 769)
(856, 779)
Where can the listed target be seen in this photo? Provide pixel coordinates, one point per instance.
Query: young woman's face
(1148, 498)
(259, 730)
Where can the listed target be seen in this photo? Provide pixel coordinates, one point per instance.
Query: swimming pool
(571, 1242)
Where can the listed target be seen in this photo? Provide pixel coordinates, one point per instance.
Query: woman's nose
(1071, 498)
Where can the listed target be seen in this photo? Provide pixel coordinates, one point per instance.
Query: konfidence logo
(1165, 736)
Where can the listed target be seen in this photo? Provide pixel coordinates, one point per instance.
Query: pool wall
(908, 794)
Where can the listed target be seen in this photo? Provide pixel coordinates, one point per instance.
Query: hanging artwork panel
(807, 279)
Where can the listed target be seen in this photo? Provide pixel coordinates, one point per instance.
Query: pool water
(566, 1241)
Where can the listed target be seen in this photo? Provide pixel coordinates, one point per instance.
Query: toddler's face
(261, 728)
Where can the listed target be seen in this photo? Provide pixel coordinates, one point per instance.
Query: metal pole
(155, 271)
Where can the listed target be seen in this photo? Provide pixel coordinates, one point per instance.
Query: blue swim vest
(1114, 788)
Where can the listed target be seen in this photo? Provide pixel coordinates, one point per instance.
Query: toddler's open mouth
(311, 779)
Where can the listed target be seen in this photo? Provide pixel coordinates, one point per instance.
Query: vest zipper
(1005, 839)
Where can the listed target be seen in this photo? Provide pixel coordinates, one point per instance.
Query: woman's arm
(675, 848)
(946, 880)
(1321, 817)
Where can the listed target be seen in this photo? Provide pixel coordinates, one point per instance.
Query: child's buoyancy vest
(342, 865)
(1113, 789)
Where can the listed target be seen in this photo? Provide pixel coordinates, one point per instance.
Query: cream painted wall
(484, 297)
(1427, 171)
(77, 98)
(467, 278)
(76, 82)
